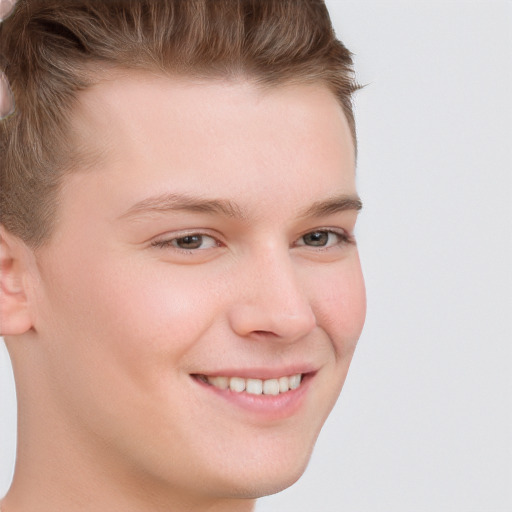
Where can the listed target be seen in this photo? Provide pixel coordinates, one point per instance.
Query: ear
(15, 316)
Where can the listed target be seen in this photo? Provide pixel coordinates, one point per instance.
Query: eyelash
(169, 242)
(343, 239)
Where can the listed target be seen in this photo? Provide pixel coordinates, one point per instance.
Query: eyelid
(166, 241)
(345, 238)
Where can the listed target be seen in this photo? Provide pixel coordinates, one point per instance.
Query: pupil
(190, 242)
(319, 238)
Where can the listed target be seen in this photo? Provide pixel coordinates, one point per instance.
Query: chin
(266, 485)
(279, 483)
(263, 476)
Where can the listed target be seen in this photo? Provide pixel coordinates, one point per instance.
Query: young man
(181, 293)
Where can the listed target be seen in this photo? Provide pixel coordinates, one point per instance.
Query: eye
(190, 242)
(323, 238)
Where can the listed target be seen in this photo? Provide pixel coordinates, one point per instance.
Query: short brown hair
(52, 49)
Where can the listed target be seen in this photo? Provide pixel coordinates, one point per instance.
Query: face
(206, 255)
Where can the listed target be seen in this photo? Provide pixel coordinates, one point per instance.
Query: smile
(254, 386)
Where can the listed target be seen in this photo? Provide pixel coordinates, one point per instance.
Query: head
(177, 207)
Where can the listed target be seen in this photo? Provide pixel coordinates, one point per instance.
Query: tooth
(237, 384)
(219, 382)
(295, 381)
(284, 384)
(254, 386)
(271, 387)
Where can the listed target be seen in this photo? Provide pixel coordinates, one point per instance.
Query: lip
(263, 373)
(264, 408)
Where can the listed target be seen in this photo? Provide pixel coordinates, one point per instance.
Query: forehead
(128, 103)
(149, 132)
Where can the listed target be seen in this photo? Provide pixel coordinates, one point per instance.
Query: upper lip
(263, 373)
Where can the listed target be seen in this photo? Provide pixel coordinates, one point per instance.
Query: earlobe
(14, 311)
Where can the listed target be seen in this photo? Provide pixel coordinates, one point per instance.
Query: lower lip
(267, 407)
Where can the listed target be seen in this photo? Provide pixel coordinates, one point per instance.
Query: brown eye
(192, 242)
(317, 238)
(189, 242)
(324, 238)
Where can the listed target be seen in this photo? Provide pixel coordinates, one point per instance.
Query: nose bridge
(273, 299)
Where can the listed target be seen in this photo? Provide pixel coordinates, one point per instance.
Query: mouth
(272, 387)
(262, 394)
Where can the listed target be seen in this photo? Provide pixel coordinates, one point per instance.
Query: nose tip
(293, 325)
(275, 305)
(262, 319)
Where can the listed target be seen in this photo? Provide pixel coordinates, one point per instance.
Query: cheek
(340, 305)
(119, 329)
(153, 316)
(125, 314)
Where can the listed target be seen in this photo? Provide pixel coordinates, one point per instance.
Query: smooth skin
(211, 232)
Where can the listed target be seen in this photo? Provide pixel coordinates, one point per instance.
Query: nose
(271, 301)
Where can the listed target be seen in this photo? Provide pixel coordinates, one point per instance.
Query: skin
(6, 8)
(105, 328)
(6, 99)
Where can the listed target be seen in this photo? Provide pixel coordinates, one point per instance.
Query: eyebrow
(333, 205)
(182, 202)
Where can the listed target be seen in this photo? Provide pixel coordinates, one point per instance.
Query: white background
(424, 421)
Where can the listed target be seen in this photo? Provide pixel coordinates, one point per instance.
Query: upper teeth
(256, 386)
